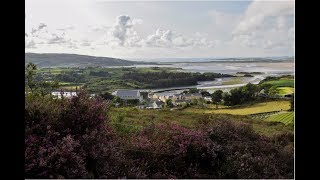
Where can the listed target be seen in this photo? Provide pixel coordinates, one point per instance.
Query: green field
(128, 119)
(285, 90)
(233, 80)
(246, 109)
(70, 88)
(282, 82)
(285, 118)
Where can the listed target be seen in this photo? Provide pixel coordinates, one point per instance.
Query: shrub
(69, 138)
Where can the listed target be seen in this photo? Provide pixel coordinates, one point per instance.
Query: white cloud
(42, 35)
(168, 38)
(259, 11)
(268, 25)
(30, 44)
(122, 32)
(137, 21)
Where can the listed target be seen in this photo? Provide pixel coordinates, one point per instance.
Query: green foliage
(107, 96)
(30, 71)
(205, 93)
(292, 103)
(193, 90)
(169, 103)
(41, 88)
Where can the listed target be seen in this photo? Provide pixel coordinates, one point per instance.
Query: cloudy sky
(137, 29)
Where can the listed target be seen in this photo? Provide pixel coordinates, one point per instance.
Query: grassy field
(128, 119)
(285, 118)
(285, 90)
(233, 80)
(132, 119)
(282, 82)
(246, 109)
(70, 88)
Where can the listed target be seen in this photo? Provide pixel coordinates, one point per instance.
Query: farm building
(128, 94)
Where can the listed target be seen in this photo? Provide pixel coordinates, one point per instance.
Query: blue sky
(138, 29)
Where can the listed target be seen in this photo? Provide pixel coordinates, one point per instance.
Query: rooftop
(127, 93)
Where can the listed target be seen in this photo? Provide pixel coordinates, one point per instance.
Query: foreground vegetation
(75, 138)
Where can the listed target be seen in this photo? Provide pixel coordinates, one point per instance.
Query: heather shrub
(223, 150)
(72, 138)
(248, 154)
(69, 138)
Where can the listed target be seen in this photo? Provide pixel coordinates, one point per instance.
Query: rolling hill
(75, 60)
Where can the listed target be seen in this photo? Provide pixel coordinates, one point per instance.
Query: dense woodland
(165, 79)
(99, 79)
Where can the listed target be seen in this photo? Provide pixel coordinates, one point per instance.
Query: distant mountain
(230, 59)
(75, 60)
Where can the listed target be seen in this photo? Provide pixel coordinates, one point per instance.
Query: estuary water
(225, 84)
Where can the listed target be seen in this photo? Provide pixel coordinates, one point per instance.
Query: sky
(160, 29)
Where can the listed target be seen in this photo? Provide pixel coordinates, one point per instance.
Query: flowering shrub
(68, 138)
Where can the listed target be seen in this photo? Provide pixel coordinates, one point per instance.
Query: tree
(169, 103)
(292, 103)
(30, 72)
(273, 91)
(249, 92)
(107, 96)
(38, 87)
(193, 90)
(205, 93)
(217, 97)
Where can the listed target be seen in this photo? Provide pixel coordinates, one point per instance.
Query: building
(164, 96)
(129, 94)
(64, 94)
(157, 104)
(191, 96)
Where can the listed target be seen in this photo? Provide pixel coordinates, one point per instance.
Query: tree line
(169, 79)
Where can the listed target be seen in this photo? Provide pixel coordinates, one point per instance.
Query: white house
(65, 94)
(157, 104)
(129, 94)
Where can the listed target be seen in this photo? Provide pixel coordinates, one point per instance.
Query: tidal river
(225, 84)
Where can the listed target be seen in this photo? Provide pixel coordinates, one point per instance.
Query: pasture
(284, 82)
(285, 118)
(285, 90)
(261, 107)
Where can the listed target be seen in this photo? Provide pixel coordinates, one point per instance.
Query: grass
(233, 80)
(246, 109)
(64, 83)
(70, 88)
(285, 118)
(130, 119)
(285, 90)
(284, 82)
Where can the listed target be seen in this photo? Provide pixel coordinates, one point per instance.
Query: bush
(68, 138)
(225, 150)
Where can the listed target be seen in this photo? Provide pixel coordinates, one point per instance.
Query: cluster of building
(151, 100)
